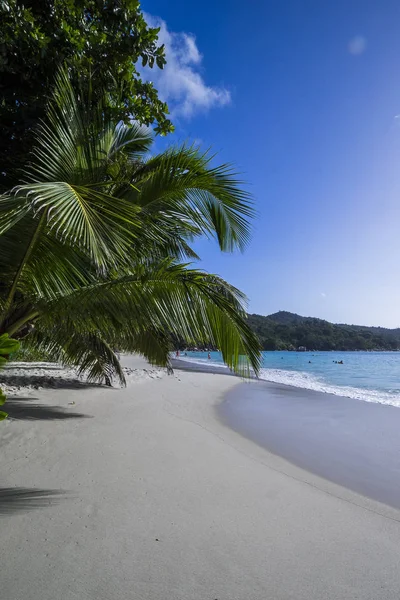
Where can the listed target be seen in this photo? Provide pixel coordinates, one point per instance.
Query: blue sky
(304, 97)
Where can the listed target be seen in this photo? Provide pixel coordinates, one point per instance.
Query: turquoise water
(369, 376)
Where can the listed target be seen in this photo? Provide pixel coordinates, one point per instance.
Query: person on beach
(177, 354)
(209, 356)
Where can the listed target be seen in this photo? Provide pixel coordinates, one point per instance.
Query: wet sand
(353, 443)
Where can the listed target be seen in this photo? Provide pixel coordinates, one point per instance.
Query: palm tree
(94, 245)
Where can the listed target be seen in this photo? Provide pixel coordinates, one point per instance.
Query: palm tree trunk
(13, 328)
(25, 258)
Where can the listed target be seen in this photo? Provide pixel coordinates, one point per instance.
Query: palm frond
(90, 237)
(195, 306)
(181, 183)
(70, 166)
(97, 223)
(134, 139)
(87, 351)
(12, 211)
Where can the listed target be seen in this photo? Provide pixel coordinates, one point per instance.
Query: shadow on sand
(16, 499)
(47, 381)
(23, 409)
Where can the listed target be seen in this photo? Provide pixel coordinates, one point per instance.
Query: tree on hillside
(287, 331)
(100, 41)
(92, 244)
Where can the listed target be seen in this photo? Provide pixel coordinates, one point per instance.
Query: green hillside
(287, 331)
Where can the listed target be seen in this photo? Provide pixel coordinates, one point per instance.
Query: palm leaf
(90, 238)
(72, 156)
(180, 182)
(91, 355)
(196, 306)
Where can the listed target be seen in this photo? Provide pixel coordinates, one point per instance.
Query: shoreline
(143, 493)
(353, 447)
(304, 379)
(352, 443)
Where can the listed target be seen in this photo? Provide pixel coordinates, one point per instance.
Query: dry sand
(143, 494)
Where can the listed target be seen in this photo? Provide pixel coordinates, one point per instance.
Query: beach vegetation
(96, 243)
(107, 47)
(7, 347)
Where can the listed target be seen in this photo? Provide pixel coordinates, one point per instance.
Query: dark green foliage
(29, 354)
(92, 243)
(7, 346)
(100, 41)
(288, 331)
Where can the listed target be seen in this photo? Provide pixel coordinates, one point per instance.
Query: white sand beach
(142, 493)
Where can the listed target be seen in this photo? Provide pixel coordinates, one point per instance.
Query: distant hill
(287, 331)
(286, 318)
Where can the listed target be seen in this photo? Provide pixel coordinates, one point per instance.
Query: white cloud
(357, 45)
(198, 142)
(180, 83)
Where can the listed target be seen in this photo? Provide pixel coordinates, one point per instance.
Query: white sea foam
(308, 381)
(311, 382)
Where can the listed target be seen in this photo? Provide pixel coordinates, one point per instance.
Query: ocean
(368, 376)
